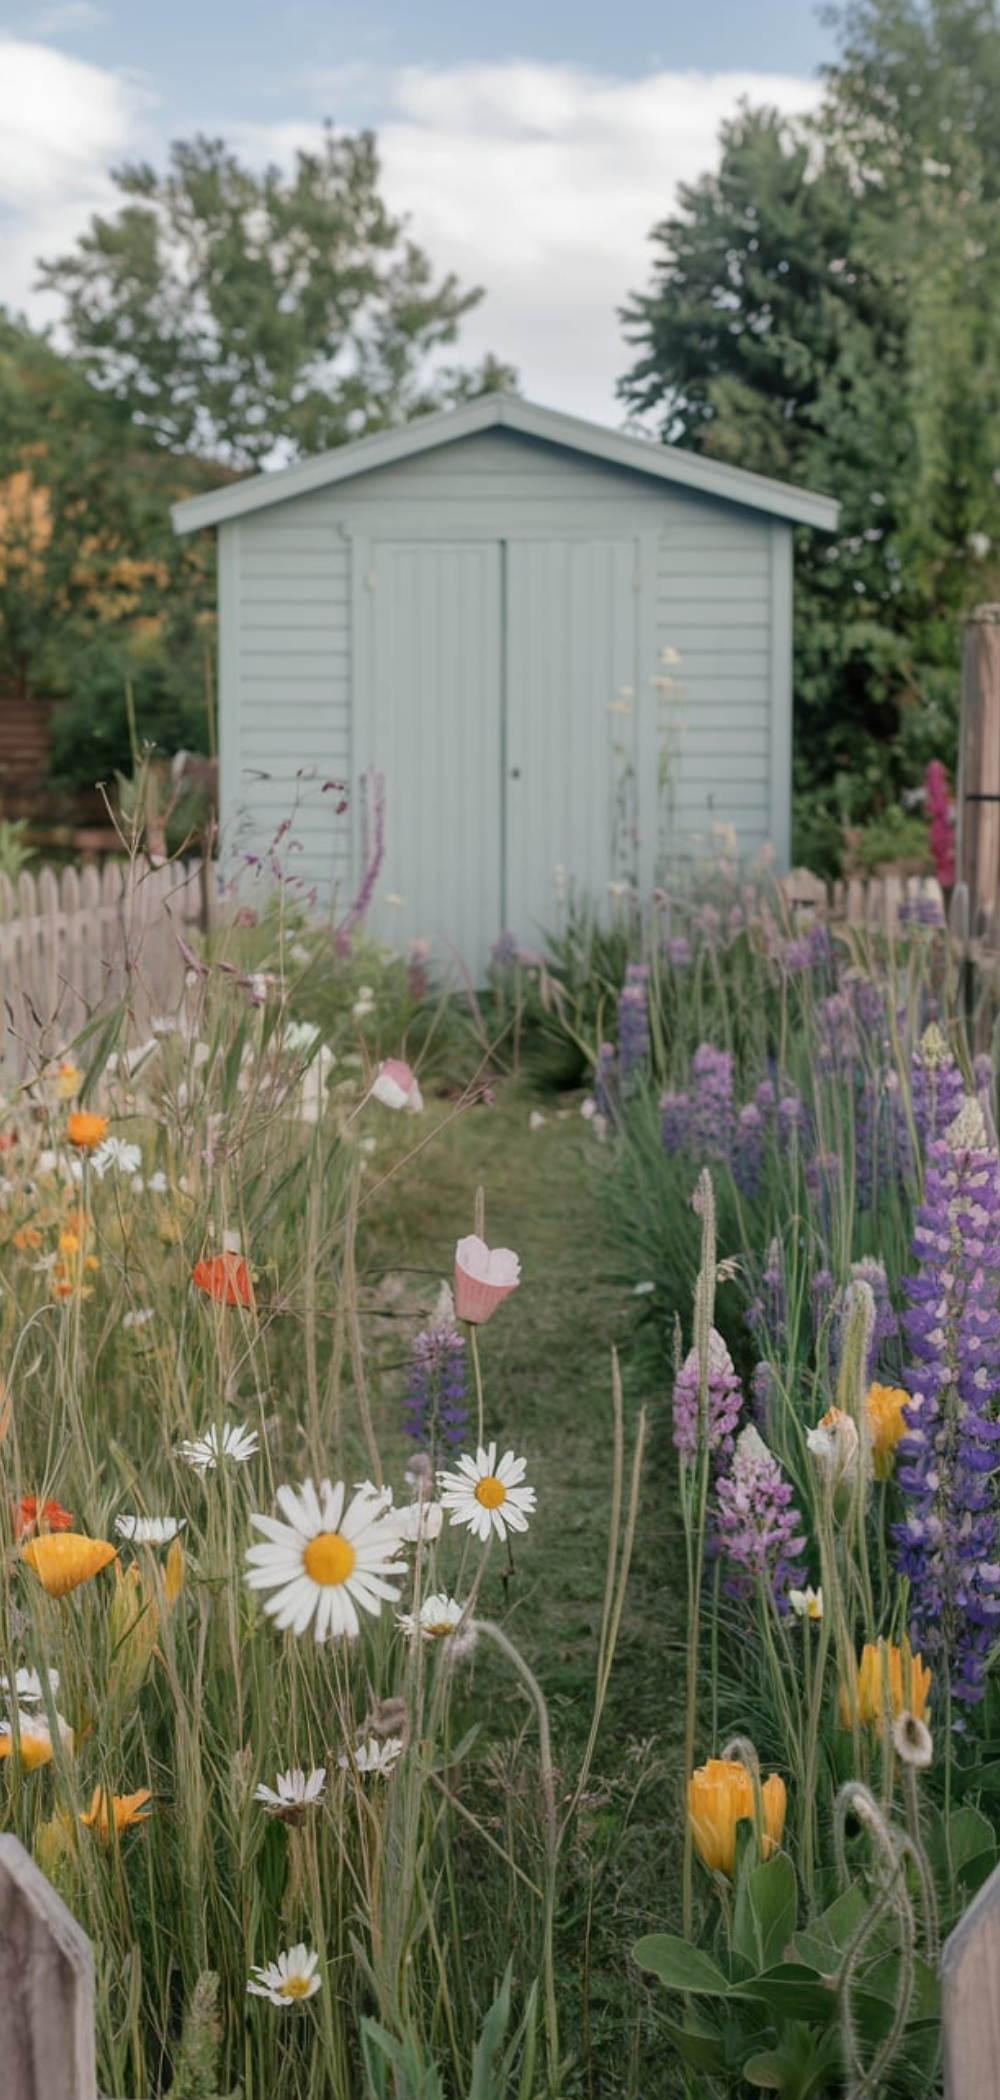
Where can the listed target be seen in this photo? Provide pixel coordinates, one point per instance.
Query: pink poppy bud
(395, 1085)
(483, 1279)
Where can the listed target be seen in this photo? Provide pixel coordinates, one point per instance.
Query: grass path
(546, 1371)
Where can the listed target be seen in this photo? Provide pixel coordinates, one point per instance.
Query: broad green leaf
(679, 1965)
(803, 2066)
(764, 1915)
(969, 1834)
(699, 2046)
(791, 1992)
(821, 1943)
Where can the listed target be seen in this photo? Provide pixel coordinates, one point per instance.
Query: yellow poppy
(884, 1406)
(889, 1679)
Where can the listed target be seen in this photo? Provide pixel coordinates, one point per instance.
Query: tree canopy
(825, 308)
(241, 314)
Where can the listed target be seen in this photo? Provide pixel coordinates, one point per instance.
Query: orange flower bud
(889, 1680)
(720, 1794)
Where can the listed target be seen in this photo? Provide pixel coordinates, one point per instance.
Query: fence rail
(74, 944)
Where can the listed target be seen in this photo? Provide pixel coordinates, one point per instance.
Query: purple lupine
(937, 1088)
(797, 954)
(821, 1290)
(867, 1000)
(435, 1412)
(885, 1327)
(769, 1310)
(675, 1120)
(736, 921)
(839, 1045)
(605, 1089)
(821, 954)
(711, 1103)
(756, 1521)
(761, 1393)
(949, 1540)
(504, 951)
(723, 1406)
(679, 950)
(633, 1021)
(791, 1117)
(749, 1149)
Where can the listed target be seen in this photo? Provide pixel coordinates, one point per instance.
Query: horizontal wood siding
(285, 721)
(715, 648)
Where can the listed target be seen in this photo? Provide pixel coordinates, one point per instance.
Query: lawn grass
(546, 1361)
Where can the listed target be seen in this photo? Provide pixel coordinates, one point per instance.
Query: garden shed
(562, 649)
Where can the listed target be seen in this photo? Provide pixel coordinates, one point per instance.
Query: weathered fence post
(970, 1999)
(46, 1988)
(978, 856)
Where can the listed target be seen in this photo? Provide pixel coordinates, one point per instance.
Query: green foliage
(823, 310)
(229, 312)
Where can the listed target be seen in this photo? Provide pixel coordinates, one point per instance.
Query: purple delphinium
(675, 1120)
(723, 1405)
(748, 1150)
(712, 1119)
(937, 1088)
(756, 1522)
(633, 1021)
(605, 1088)
(949, 1540)
(504, 951)
(434, 1403)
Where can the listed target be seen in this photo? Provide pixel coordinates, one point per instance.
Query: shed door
(432, 727)
(570, 745)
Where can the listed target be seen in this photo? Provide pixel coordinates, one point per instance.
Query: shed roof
(508, 412)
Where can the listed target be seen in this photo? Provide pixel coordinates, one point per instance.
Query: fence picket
(70, 948)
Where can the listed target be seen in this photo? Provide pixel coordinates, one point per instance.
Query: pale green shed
(562, 648)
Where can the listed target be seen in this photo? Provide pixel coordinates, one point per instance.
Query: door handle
(515, 772)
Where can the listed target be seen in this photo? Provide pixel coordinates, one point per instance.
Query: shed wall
(712, 639)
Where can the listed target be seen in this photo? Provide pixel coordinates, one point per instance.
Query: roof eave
(388, 447)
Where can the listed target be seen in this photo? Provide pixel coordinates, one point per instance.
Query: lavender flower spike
(756, 1521)
(434, 1403)
(724, 1406)
(949, 1540)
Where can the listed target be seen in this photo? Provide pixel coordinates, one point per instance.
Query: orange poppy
(226, 1277)
(31, 1515)
(85, 1130)
(63, 1560)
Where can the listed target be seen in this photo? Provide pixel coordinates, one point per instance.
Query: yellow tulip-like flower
(889, 1680)
(63, 1559)
(884, 1406)
(85, 1130)
(34, 1740)
(719, 1795)
(109, 1812)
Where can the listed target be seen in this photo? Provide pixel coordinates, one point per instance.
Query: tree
(825, 309)
(243, 315)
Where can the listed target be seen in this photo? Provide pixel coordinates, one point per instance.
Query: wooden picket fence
(880, 903)
(74, 944)
(47, 1992)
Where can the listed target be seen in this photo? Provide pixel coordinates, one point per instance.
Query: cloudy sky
(532, 146)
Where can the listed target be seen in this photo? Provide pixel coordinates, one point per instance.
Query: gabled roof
(508, 412)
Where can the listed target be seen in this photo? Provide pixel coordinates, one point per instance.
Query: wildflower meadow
(499, 1531)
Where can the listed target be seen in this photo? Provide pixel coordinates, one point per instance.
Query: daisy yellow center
(329, 1559)
(298, 1986)
(439, 1629)
(490, 1491)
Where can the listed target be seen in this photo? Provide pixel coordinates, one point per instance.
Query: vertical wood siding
(519, 587)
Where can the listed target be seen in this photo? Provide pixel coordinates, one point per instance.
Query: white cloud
(540, 182)
(543, 183)
(63, 124)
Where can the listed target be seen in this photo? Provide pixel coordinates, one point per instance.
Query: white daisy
(295, 1793)
(487, 1496)
(149, 1531)
(138, 1316)
(326, 1560)
(419, 1522)
(34, 1738)
(208, 1451)
(115, 1153)
(372, 1757)
(291, 1978)
(437, 1619)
